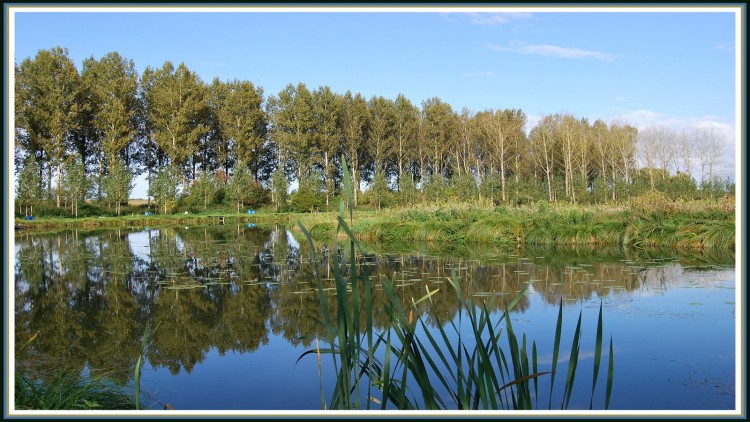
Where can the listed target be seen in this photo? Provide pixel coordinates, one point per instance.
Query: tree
(238, 186)
(710, 143)
(657, 149)
(177, 112)
(75, 184)
(380, 189)
(164, 187)
(47, 107)
(543, 147)
(118, 184)
(30, 189)
(242, 121)
(355, 120)
(111, 85)
(279, 189)
(601, 141)
(380, 145)
(624, 139)
(291, 127)
(204, 189)
(406, 117)
(440, 131)
(326, 134)
(685, 152)
(502, 129)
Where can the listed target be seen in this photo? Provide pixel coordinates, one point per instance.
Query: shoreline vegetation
(686, 226)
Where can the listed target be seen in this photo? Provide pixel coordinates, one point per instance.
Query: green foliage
(279, 193)
(177, 110)
(76, 186)
(48, 106)
(306, 200)
(651, 203)
(164, 188)
(69, 391)
(464, 188)
(30, 190)
(238, 186)
(204, 190)
(408, 194)
(169, 115)
(435, 188)
(379, 193)
(118, 184)
(111, 84)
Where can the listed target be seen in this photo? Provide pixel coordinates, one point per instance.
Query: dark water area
(233, 307)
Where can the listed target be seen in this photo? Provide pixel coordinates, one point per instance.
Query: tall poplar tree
(354, 120)
(111, 84)
(47, 107)
(242, 121)
(292, 121)
(177, 109)
(326, 134)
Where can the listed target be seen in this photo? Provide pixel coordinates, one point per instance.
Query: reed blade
(597, 355)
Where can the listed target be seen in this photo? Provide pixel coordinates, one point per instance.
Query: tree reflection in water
(90, 294)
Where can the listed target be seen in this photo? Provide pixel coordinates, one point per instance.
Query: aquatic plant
(412, 367)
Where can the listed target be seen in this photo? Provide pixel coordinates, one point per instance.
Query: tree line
(86, 135)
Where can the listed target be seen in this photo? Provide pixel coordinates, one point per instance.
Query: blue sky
(642, 66)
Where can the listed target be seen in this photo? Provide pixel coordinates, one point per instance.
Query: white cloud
(722, 46)
(497, 18)
(548, 50)
(641, 119)
(477, 74)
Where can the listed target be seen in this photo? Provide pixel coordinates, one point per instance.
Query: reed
(407, 365)
(67, 390)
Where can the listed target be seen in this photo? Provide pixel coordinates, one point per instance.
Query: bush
(305, 200)
(51, 211)
(653, 202)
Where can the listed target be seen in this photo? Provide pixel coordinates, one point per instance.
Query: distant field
(136, 202)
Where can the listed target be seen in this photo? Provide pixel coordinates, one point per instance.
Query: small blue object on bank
(251, 211)
(250, 225)
(29, 217)
(147, 213)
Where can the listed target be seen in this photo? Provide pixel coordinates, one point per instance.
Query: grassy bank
(541, 226)
(689, 229)
(156, 220)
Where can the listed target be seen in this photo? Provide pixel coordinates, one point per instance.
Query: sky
(643, 66)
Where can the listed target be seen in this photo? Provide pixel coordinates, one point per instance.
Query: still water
(230, 304)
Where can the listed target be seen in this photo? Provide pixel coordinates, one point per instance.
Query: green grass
(461, 224)
(69, 391)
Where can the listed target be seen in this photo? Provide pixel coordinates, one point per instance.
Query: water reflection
(89, 295)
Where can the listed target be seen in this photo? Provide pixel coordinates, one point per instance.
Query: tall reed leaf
(597, 355)
(555, 352)
(610, 374)
(137, 375)
(347, 185)
(573, 361)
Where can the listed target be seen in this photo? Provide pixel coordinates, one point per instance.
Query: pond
(233, 307)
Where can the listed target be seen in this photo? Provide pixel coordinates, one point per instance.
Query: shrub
(305, 200)
(653, 202)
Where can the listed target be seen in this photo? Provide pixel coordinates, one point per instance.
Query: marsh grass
(67, 390)
(460, 365)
